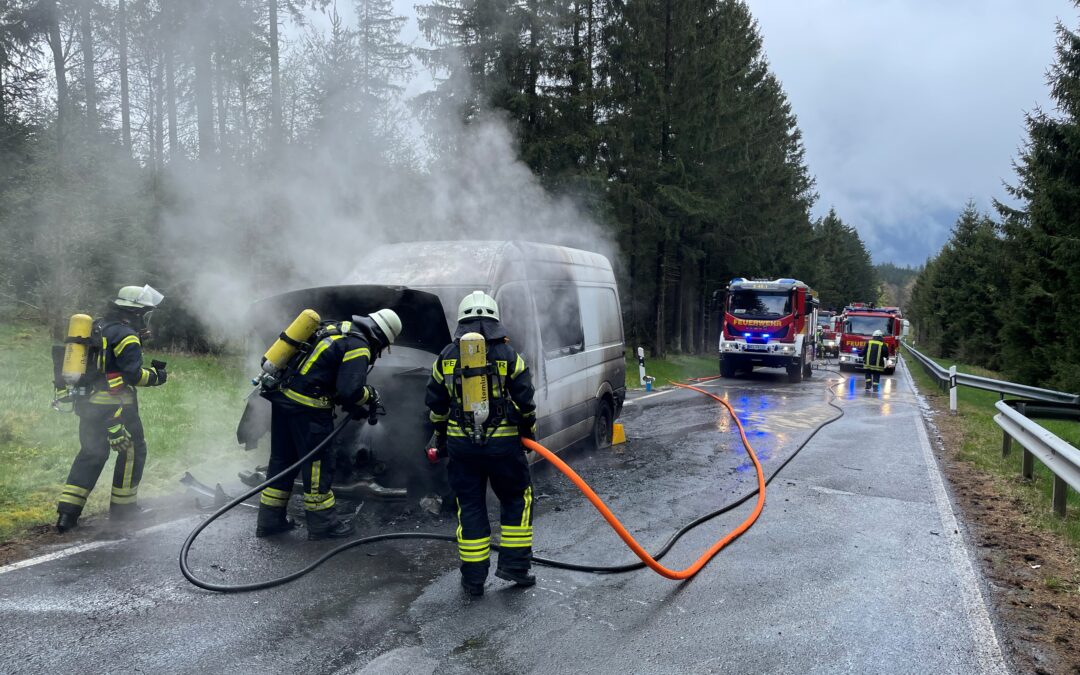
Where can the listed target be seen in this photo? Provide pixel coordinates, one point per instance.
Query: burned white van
(559, 305)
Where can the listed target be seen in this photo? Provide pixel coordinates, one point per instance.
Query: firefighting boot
(128, 512)
(472, 588)
(67, 521)
(272, 521)
(519, 577)
(341, 529)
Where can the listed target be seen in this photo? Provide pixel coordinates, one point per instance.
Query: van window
(559, 312)
(600, 316)
(516, 318)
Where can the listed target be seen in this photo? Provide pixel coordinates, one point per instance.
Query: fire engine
(828, 337)
(857, 324)
(770, 323)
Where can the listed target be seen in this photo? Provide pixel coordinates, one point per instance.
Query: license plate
(757, 348)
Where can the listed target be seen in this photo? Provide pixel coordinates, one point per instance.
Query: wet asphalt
(853, 566)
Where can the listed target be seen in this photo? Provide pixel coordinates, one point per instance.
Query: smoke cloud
(242, 234)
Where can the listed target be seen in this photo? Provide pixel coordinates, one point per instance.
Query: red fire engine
(770, 323)
(857, 324)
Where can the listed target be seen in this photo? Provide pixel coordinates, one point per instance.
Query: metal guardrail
(1015, 417)
(1063, 460)
(945, 378)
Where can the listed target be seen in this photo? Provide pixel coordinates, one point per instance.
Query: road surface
(857, 564)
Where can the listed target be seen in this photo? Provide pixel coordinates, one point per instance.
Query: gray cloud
(910, 108)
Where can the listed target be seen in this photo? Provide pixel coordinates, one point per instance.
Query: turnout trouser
(873, 377)
(510, 481)
(294, 431)
(94, 420)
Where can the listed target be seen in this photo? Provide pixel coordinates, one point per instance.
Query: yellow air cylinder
(474, 389)
(76, 348)
(281, 352)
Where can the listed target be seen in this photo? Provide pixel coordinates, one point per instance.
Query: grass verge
(189, 422)
(981, 446)
(675, 368)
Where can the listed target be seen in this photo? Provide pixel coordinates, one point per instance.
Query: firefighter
(487, 452)
(109, 412)
(876, 354)
(333, 373)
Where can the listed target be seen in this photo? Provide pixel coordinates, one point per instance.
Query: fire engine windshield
(760, 304)
(866, 325)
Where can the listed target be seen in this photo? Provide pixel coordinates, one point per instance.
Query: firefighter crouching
(482, 439)
(877, 352)
(108, 407)
(333, 372)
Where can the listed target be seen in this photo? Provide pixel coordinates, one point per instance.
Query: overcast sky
(911, 107)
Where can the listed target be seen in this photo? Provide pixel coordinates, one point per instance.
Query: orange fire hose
(628, 538)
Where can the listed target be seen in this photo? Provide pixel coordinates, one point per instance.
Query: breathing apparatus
(77, 361)
(474, 383)
(291, 341)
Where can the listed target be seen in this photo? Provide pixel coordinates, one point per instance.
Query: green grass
(190, 424)
(981, 446)
(677, 368)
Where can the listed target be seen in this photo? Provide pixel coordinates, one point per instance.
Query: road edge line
(991, 658)
(57, 555)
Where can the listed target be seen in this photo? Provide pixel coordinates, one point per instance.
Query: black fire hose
(433, 536)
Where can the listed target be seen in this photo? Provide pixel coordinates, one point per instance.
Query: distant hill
(896, 284)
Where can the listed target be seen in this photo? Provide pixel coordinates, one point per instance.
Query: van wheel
(602, 425)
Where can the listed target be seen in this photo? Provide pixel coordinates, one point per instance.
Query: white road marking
(982, 630)
(659, 393)
(64, 553)
(82, 548)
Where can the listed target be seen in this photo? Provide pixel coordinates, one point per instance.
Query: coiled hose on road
(646, 560)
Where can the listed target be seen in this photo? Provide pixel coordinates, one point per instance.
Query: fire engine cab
(770, 323)
(858, 323)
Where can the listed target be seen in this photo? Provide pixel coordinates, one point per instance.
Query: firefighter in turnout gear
(108, 407)
(480, 397)
(877, 352)
(333, 372)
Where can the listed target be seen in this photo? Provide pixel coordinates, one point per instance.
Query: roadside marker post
(952, 389)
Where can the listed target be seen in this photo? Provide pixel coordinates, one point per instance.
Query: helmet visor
(149, 297)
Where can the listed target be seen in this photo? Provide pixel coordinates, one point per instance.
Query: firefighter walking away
(329, 370)
(102, 369)
(480, 398)
(877, 353)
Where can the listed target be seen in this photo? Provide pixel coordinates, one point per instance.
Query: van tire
(603, 425)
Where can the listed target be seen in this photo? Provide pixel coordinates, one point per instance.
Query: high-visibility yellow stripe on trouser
(318, 501)
(275, 498)
(122, 495)
(474, 550)
(516, 536)
(526, 513)
(75, 495)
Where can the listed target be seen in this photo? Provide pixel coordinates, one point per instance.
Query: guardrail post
(1027, 462)
(1061, 491)
(1006, 443)
(952, 389)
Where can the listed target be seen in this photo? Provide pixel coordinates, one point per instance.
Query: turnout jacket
(119, 364)
(334, 372)
(513, 410)
(876, 353)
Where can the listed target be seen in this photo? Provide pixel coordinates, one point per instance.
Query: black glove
(159, 371)
(440, 444)
(373, 399)
(120, 439)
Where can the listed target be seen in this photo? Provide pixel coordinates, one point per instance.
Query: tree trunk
(275, 78)
(203, 86)
(659, 338)
(125, 103)
(56, 45)
(159, 112)
(222, 107)
(170, 78)
(86, 39)
(677, 340)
